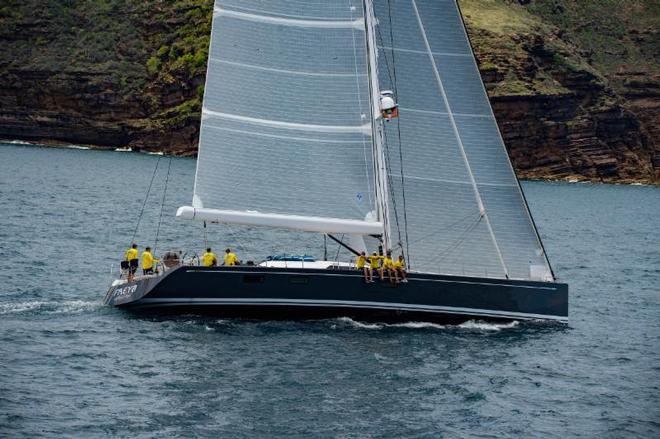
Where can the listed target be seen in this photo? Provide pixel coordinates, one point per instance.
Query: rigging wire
(398, 129)
(206, 241)
(387, 158)
(144, 203)
(391, 73)
(391, 184)
(461, 239)
(339, 248)
(461, 221)
(162, 202)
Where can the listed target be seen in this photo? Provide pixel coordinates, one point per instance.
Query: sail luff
(475, 188)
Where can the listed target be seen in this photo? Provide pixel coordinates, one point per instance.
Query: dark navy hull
(298, 294)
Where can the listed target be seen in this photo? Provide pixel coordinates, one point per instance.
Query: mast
(380, 168)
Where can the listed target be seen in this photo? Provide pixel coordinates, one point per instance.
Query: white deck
(302, 264)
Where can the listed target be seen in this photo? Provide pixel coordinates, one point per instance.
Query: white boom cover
(295, 222)
(286, 128)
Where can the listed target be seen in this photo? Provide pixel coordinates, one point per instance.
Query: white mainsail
(286, 122)
(464, 209)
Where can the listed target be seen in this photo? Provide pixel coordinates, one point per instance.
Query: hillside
(575, 84)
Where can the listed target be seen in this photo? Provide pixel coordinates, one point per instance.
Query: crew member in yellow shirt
(209, 259)
(400, 268)
(148, 261)
(131, 258)
(388, 267)
(374, 264)
(361, 264)
(231, 259)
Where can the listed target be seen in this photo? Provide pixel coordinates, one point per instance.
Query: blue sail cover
(451, 156)
(286, 116)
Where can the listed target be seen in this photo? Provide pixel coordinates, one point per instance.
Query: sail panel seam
(275, 136)
(422, 52)
(444, 180)
(444, 113)
(280, 14)
(269, 19)
(288, 72)
(363, 129)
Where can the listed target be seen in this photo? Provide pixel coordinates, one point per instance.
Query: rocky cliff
(575, 84)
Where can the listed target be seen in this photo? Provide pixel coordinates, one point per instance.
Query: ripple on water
(49, 307)
(78, 369)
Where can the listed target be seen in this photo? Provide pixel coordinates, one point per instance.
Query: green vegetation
(533, 45)
(151, 53)
(612, 33)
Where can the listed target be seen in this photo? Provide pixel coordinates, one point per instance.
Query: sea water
(71, 367)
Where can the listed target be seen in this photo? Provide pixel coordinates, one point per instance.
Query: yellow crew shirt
(373, 261)
(230, 259)
(388, 263)
(147, 260)
(361, 261)
(209, 259)
(399, 264)
(131, 254)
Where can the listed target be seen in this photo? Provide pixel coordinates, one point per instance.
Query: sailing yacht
(365, 121)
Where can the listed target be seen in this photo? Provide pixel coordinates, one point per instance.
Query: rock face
(575, 85)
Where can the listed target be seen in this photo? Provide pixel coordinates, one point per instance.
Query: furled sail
(286, 134)
(463, 211)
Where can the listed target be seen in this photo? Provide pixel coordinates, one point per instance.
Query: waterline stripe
(347, 304)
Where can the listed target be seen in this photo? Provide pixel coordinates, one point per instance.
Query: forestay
(286, 118)
(452, 157)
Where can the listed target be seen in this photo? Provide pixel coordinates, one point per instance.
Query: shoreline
(574, 179)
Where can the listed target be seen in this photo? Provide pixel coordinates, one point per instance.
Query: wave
(49, 307)
(124, 149)
(484, 326)
(469, 325)
(418, 325)
(16, 142)
(361, 325)
(76, 147)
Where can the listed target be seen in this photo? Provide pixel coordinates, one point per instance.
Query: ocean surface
(71, 367)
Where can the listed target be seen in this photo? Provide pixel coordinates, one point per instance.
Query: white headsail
(464, 210)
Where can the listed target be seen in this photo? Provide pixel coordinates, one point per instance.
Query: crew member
(148, 261)
(131, 258)
(361, 264)
(209, 259)
(388, 267)
(400, 268)
(231, 259)
(374, 263)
